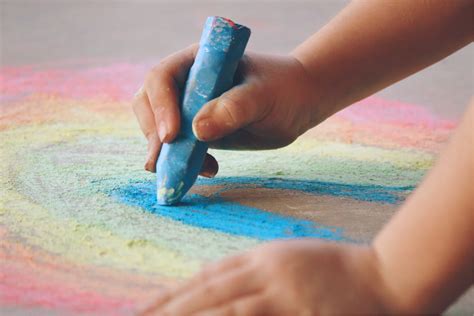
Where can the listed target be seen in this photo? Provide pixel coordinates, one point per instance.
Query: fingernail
(162, 131)
(203, 129)
(149, 166)
(208, 174)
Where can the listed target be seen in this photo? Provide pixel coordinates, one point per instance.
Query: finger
(209, 271)
(214, 292)
(214, 269)
(233, 110)
(252, 305)
(210, 167)
(243, 140)
(142, 109)
(221, 266)
(154, 147)
(144, 114)
(163, 85)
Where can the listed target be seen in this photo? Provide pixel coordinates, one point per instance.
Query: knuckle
(157, 73)
(163, 64)
(230, 106)
(150, 135)
(151, 76)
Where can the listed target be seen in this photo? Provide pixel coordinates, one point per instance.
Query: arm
(371, 44)
(368, 46)
(419, 263)
(422, 260)
(426, 252)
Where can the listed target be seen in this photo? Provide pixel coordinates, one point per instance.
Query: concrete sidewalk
(134, 30)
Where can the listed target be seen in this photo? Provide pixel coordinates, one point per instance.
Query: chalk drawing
(78, 228)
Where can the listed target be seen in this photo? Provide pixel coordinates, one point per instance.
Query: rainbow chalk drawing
(80, 231)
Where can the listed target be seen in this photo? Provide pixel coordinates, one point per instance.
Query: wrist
(396, 299)
(319, 102)
(376, 278)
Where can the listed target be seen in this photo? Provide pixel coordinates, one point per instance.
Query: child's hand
(301, 277)
(268, 108)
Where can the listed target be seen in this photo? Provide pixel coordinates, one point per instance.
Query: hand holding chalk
(220, 49)
(269, 108)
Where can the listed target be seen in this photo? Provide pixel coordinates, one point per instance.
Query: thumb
(237, 108)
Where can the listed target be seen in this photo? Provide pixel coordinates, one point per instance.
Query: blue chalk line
(216, 213)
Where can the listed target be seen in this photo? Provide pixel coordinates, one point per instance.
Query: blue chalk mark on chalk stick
(217, 214)
(221, 46)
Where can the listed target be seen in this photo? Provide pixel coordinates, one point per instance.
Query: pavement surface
(47, 32)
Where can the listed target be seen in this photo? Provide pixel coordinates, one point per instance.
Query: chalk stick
(221, 46)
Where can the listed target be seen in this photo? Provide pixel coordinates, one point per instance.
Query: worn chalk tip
(168, 196)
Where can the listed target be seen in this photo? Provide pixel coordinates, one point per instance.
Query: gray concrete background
(48, 31)
(53, 30)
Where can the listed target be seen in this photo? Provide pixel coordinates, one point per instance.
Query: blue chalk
(220, 49)
(228, 217)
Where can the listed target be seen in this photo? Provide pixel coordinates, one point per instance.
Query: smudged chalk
(361, 192)
(215, 213)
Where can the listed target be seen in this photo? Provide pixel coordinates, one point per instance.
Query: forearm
(426, 252)
(372, 44)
